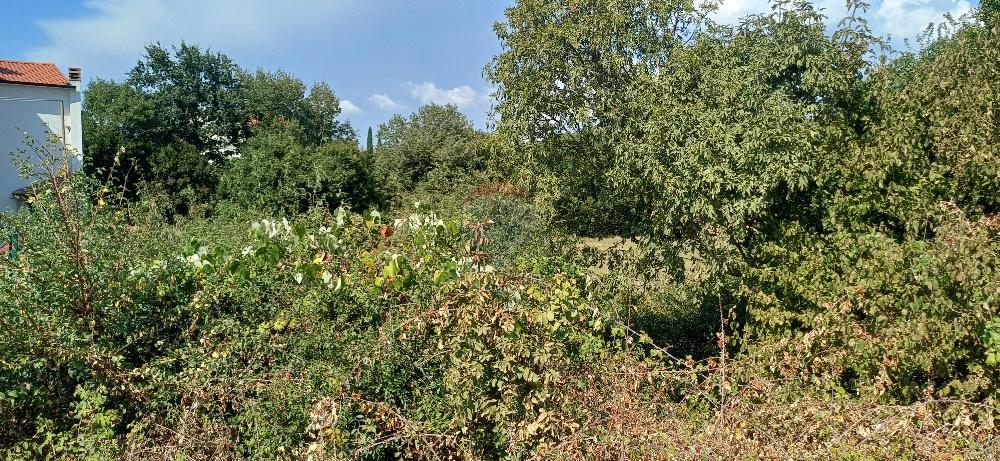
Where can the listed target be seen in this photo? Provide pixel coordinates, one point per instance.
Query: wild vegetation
(680, 240)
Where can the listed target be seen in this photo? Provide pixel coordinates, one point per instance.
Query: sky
(381, 57)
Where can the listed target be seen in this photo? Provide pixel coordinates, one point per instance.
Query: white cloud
(730, 11)
(384, 102)
(109, 39)
(429, 93)
(903, 19)
(906, 18)
(349, 107)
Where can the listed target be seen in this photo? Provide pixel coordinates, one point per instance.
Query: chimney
(75, 75)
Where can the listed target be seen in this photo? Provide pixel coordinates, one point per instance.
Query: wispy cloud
(384, 102)
(349, 107)
(110, 38)
(906, 18)
(462, 96)
(902, 19)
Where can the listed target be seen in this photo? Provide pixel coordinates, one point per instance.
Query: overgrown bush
(778, 172)
(334, 335)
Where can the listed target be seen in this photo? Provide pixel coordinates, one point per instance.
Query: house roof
(31, 73)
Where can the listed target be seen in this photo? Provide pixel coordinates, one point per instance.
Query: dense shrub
(867, 314)
(515, 231)
(778, 173)
(334, 335)
(281, 172)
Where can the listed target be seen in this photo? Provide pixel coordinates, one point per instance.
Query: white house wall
(39, 111)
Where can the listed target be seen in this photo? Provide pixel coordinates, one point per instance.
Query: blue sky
(380, 56)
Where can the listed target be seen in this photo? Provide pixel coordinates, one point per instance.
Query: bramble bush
(330, 336)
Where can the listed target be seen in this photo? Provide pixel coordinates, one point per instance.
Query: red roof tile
(31, 73)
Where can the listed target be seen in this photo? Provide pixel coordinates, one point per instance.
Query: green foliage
(991, 338)
(274, 98)
(517, 234)
(280, 171)
(370, 146)
(573, 82)
(333, 333)
(988, 10)
(91, 436)
(185, 179)
(76, 315)
(116, 118)
(774, 169)
(894, 319)
(899, 251)
(432, 147)
(196, 97)
(181, 115)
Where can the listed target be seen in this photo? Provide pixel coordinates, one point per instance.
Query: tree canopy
(183, 113)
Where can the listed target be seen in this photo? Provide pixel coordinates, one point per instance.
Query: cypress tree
(371, 147)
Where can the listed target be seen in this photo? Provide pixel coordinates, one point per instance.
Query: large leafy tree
(184, 112)
(116, 121)
(185, 100)
(197, 95)
(646, 119)
(278, 97)
(574, 82)
(436, 141)
(663, 124)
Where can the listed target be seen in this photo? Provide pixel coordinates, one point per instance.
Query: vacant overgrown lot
(682, 240)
